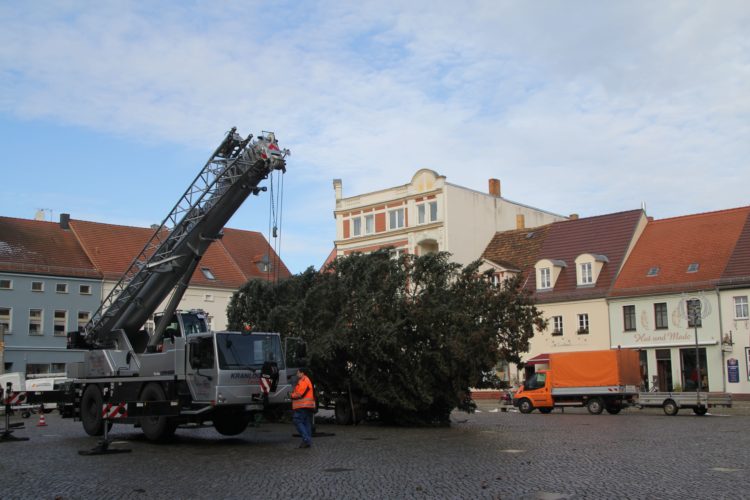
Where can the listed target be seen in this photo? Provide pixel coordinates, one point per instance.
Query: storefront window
(690, 370)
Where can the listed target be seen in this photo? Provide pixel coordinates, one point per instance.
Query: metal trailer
(672, 402)
(181, 373)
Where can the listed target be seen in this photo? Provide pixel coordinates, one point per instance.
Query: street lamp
(695, 309)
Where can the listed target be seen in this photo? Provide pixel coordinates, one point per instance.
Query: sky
(108, 110)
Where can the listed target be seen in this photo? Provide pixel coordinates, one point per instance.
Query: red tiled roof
(517, 248)
(609, 235)
(738, 268)
(671, 245)
(41, 247)
(112, 249)
(331, 257)
(248, 249)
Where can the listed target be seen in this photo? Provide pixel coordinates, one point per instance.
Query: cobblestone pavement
(489, 454)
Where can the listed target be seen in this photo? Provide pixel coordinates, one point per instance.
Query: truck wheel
(700, 410)
(670, 407)
(91, 411)
(525, 406)
(595, 406)
(613, 407)
(231, 425)
(343, 412)
(545, 410)
(156, 428)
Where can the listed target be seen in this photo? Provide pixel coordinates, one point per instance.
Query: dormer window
(547, 272)
(588, 268)
(654, 271)
(587, 274)
(693, 268)
(208, 274)
(545, 278)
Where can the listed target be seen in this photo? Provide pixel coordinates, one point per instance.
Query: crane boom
(170, 256)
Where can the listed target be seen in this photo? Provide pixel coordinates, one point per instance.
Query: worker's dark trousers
(303, 422)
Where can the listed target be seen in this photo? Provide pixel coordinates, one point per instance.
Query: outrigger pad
(102, 448)
(8, 436)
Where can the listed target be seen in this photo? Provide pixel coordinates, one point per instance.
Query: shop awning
(539, 359)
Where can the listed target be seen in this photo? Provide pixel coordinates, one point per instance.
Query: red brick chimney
(495, 188)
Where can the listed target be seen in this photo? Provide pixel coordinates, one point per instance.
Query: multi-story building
(48, 287)
(428, 215)
(570, 267)
(681, 299)
(53, 277)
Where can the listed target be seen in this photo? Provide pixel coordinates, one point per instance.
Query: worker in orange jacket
(303, 405)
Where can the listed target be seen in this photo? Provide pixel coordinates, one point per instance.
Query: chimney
(337, 188)
(573, 216)
(520, 221)
(495, 188)
(65, 221)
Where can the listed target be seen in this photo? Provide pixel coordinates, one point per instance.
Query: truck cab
(535, 393)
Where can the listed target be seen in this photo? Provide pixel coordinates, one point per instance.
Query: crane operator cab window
(194, 322)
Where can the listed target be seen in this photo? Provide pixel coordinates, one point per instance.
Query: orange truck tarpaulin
(595, 368)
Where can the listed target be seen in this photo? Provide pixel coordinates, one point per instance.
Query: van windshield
(237, 352)
(536, 381)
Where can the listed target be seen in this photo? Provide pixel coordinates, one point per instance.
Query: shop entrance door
(664, 370)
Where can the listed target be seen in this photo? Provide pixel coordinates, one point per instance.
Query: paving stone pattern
(490, 454)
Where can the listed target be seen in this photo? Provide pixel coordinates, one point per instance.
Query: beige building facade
(427, 215)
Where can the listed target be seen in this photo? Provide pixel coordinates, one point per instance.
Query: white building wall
(473, 218)
(677, 337)
(737, 352)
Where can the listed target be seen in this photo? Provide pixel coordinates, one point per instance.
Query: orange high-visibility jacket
(302, 396)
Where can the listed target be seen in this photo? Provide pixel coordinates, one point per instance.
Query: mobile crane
(182, 373)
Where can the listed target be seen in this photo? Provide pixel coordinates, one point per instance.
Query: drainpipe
(721, 345)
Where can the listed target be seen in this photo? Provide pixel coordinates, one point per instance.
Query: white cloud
(581, 106)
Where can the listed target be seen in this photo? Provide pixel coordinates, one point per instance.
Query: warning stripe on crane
(265, 384)
(114, 410)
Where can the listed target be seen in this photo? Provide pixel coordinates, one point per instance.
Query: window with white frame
(628, 318)
(545, 278)
(740, 307)
(37, 286)
(84, 289)
(357, 226)
(6, 284)
(557, 325)
(5, 320)
(35, 322)
(587, 273)
(396, 218)
(61, 288)
(583, 324)
(427, 212)
(369, 224)
(395, 253)
(209, 297)
(83, 318)
(60, 323)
